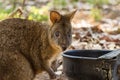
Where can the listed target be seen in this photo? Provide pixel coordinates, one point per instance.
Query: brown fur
(28, 47)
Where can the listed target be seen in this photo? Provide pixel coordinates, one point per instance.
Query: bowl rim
(76, 57)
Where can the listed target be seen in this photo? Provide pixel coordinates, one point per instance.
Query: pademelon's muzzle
(64, 47)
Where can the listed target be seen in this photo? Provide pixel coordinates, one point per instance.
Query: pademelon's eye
(57, 33)
(69, 33)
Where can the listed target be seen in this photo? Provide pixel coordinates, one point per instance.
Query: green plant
(38, 14)
(59, 2)
(4, 13)
(97, 8)
(98, 2)
(96, 14)
(37, 17)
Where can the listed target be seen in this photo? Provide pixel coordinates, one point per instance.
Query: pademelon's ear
(55, 16)
(71, 15)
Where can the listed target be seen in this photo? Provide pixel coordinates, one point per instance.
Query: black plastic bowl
(85, 65)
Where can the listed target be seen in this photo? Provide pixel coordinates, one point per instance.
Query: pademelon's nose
(64, 47)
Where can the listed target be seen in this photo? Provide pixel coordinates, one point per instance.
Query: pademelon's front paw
(55, 77)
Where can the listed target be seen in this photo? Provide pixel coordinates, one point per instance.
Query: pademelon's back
(14, 31)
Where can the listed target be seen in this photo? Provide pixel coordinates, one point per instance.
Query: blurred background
(38, 9)
(96, 24)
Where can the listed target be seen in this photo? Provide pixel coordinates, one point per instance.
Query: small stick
(18, 10)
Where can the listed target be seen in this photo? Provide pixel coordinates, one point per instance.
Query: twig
(23, 4)
(18, 10)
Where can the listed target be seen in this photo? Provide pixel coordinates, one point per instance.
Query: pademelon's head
(61, 30)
